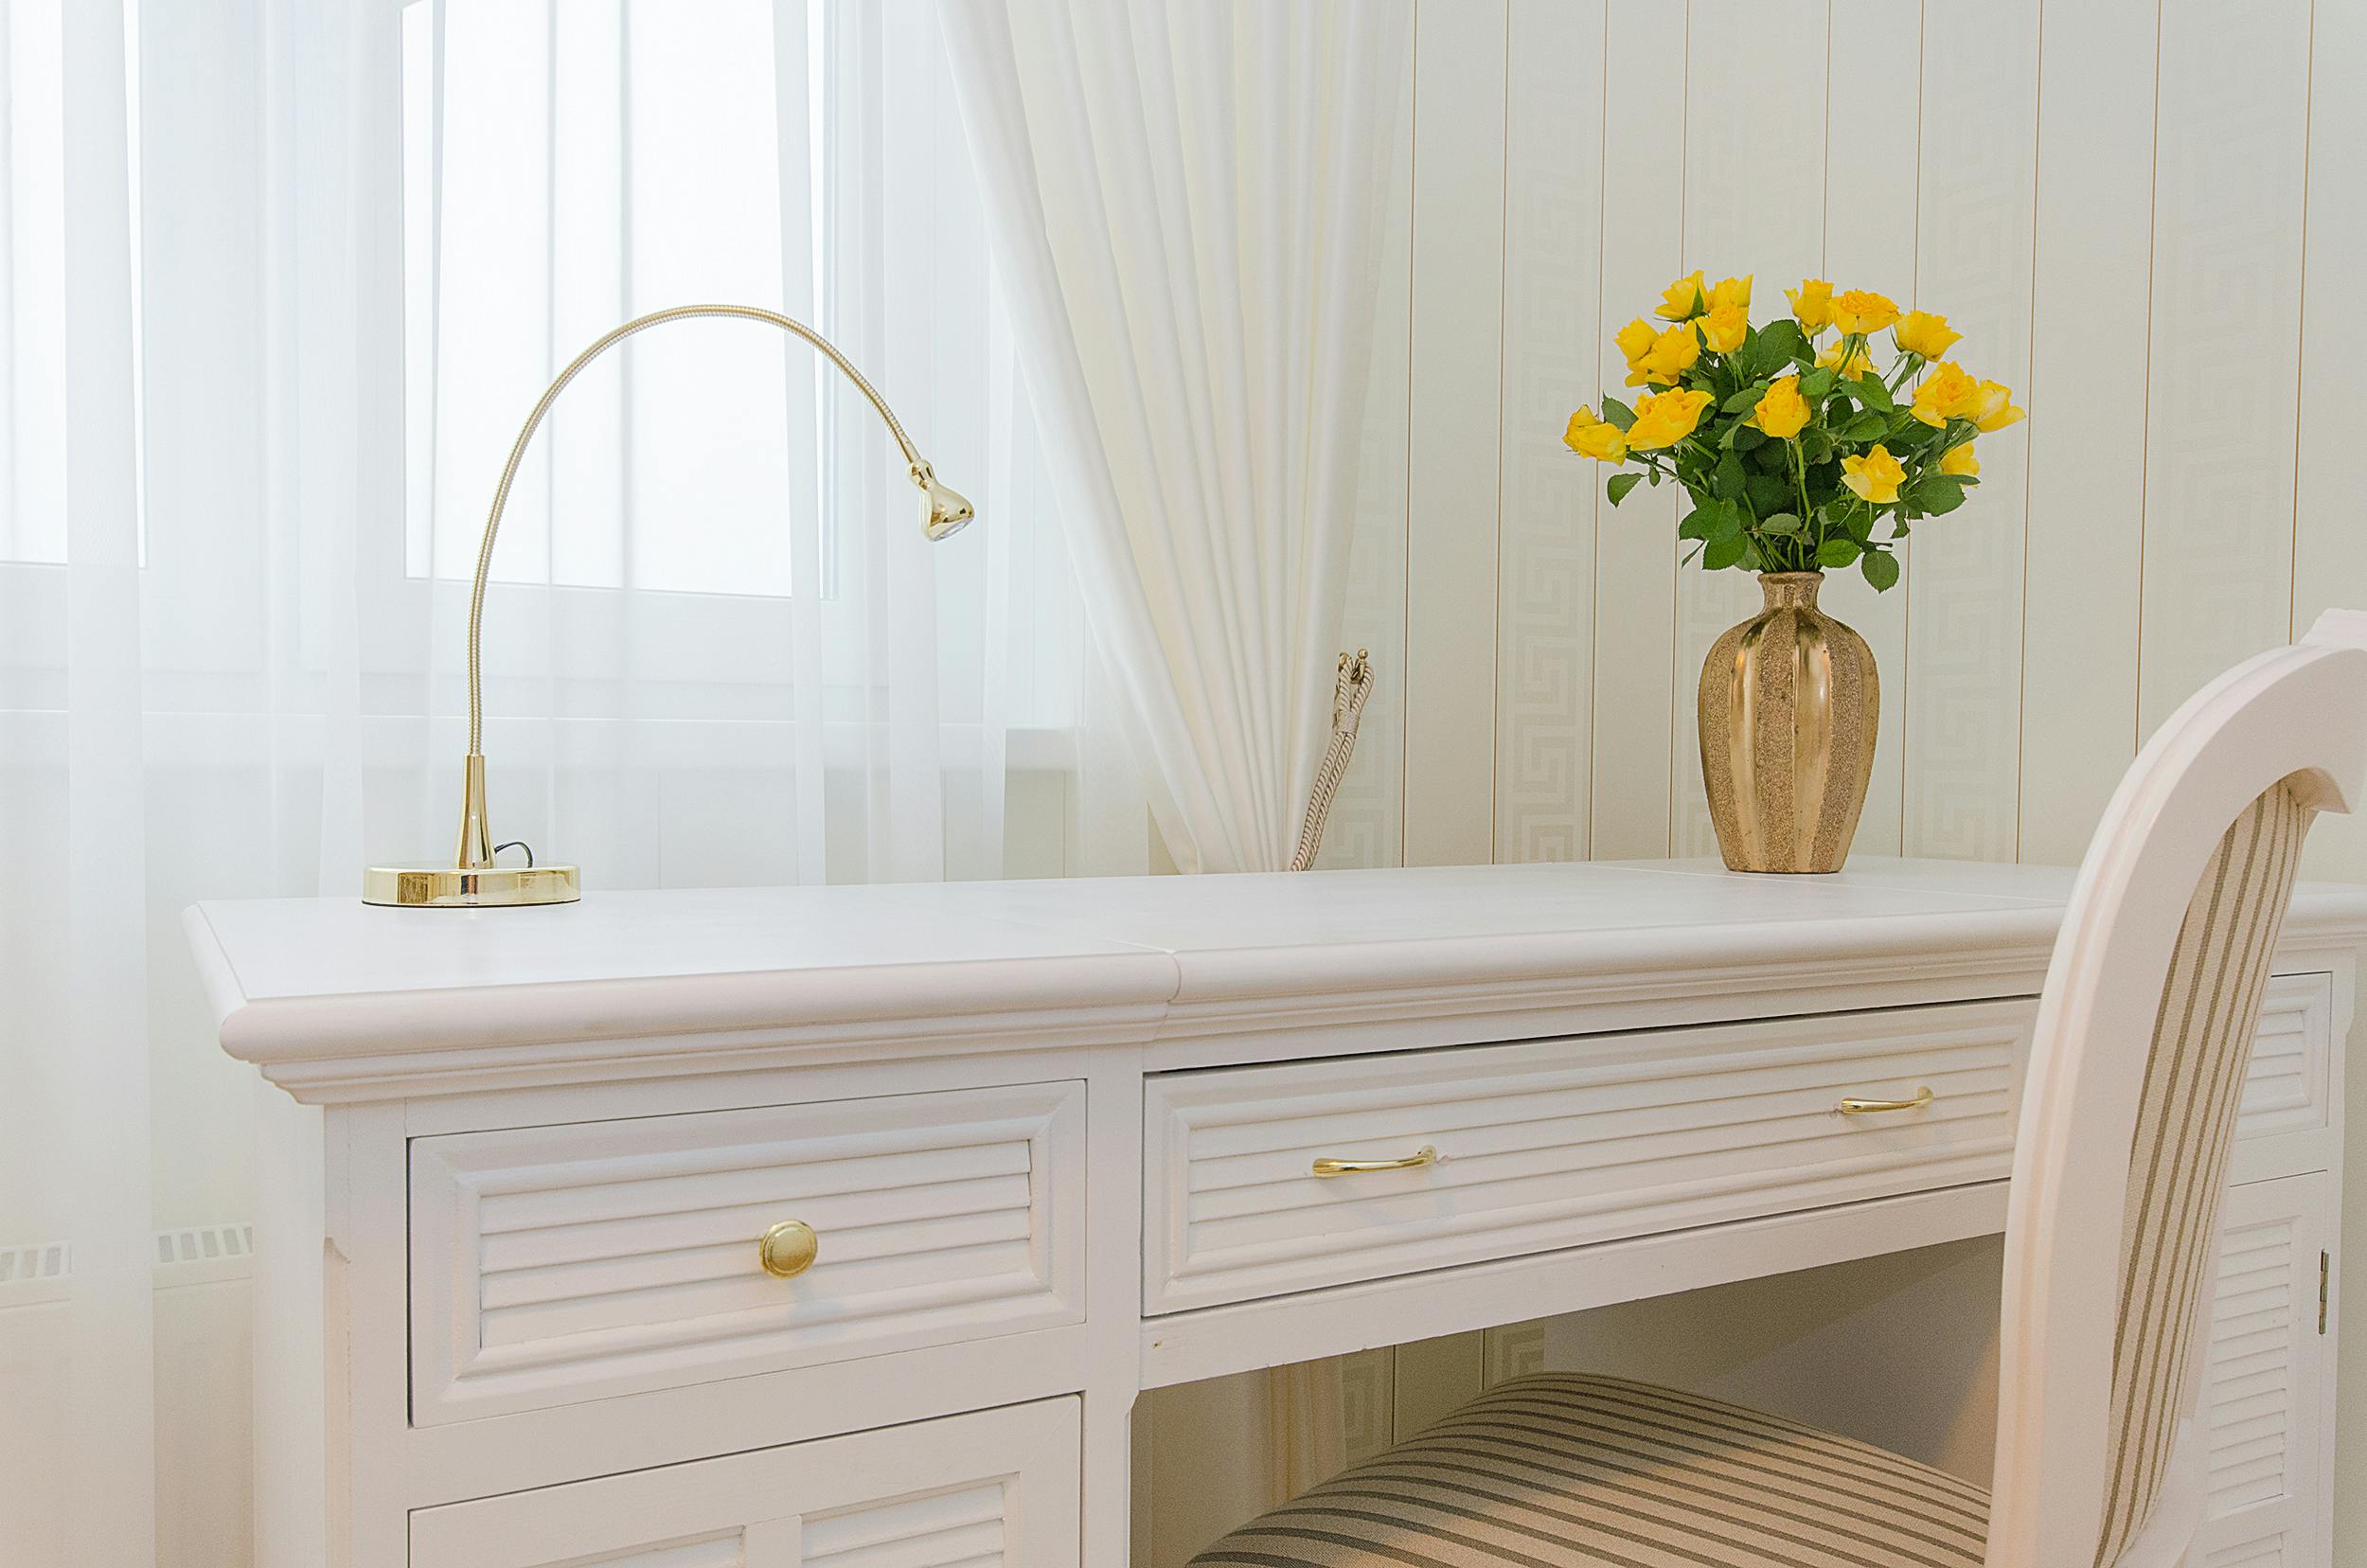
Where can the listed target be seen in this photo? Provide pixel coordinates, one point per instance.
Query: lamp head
(944, 511)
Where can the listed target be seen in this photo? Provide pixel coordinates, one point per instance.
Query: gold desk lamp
(472, 880)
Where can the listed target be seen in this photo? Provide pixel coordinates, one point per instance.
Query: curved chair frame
(2297, 714)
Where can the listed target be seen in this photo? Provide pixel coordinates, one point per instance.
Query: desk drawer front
(557, 1264)
(997, 1488)
(1559, 1143)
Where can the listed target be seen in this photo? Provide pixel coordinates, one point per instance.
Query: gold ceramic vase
(1789, 704)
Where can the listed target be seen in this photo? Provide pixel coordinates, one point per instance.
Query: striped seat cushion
(1574, 1471)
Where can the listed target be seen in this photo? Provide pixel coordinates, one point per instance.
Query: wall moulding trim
(36, 1273)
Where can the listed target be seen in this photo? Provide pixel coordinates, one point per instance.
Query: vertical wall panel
(1754, 202)
(1635, 544)
(1366, 826)
(2330, 569)
(1553, 245)
(1978, 137)
(2227, 248)
(2330, 523)
(2092, 296)
(1455, 439)
(1873, 77)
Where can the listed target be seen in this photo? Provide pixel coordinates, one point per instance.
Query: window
(566, 167)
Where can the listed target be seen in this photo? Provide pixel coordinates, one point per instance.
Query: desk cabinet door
(996, 1490)
(2269, 1402)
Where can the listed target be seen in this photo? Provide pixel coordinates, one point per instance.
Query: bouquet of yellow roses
(1794, 450)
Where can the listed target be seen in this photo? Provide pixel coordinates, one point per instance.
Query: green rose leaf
(1816, 383)
(1837, 552)
(1743, 437)
(1768, 493)
(1709, 519)
(1937, 493)
(1621, 484)
(1723, 553)
(1619, 414)
(1748, 397)
(1881, 568)
(1775, 345)
(1781, 522)
(1871, 392)
(1867, 426)
(1728, 482)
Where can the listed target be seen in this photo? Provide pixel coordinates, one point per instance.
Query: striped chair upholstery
(1574, 1471)
(2202, 1039)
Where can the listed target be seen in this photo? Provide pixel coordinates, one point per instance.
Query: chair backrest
(2144, 1035)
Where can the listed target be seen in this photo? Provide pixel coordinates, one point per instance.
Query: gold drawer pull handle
(1425, 1155)
(1852, 1106)
(787, 1249)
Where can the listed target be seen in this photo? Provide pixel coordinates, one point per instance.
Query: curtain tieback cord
(1354, 685)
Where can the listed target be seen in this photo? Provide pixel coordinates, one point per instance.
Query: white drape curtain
(277, 280)
(1188, 204)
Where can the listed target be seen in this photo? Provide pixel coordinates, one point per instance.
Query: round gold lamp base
(486, 887)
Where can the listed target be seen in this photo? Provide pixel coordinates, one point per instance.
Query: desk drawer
(1559, 1143)
(551, 1265)
(999, 1486)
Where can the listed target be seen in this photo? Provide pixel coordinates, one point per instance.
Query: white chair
(2144, 1035)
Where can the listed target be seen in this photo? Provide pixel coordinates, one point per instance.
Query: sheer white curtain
(278, 280)
(1188, 202)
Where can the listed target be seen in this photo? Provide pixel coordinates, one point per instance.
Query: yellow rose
(1859, 364)
(1863, 310)
(1664, 419)
(1924, 333)
(1671, 355)
(1783, 411)
(1812, 304)
(1874, 478)
(1635, 340)
(1723, 328)
(1948, 393)
(1993, 408)
(1597, 438)
(1959, 460)
(1684, 299)
(1734, 290)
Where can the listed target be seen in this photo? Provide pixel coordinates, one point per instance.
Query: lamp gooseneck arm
(943, 512)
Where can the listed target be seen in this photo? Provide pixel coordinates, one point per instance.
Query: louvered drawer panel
(557, 1264)
(996, 1490)
(2287, 1120)
(1559, 1143)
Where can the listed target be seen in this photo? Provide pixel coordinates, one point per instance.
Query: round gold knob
(787, 1249)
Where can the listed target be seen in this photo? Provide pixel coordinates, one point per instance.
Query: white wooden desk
(1057, 1139)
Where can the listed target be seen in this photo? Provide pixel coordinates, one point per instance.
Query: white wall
(2149, 220)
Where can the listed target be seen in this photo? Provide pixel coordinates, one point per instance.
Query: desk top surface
(312, 977)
